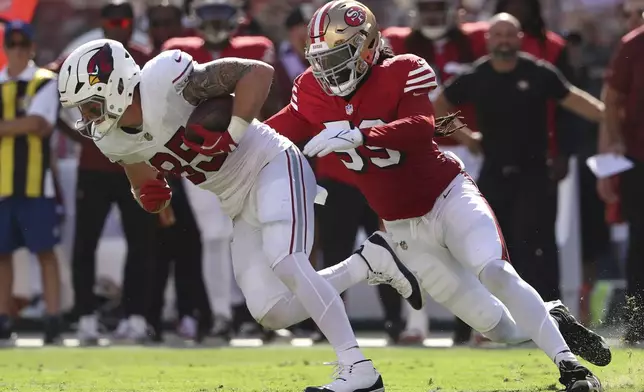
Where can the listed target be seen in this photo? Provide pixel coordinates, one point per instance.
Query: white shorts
(449, 247)
(277, 220)
(461, 222)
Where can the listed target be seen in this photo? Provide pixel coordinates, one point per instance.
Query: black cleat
(581, 340)
(52, 329)
(576, 378)
(395, 274)
(6, 333)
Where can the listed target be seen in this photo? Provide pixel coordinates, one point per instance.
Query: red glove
(213, 143)
(155, 194)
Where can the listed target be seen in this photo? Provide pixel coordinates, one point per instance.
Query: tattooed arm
(250, 80)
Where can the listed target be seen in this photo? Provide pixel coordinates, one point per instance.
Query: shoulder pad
(173, 66)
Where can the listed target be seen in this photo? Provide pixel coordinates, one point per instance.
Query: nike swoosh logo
(179, 59)
(448, 192)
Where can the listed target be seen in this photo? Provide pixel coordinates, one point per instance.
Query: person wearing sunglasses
(28, 216)
(117, 20)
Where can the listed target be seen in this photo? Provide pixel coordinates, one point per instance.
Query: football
(213, 114)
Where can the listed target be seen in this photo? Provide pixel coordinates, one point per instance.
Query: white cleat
(134, 329)
(88, 330)
(358, 377)
(187, 328)
(385, 267)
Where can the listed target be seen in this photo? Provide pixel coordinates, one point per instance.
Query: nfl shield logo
(349, 109)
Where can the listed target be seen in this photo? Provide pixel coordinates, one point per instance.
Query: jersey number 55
(380, 157)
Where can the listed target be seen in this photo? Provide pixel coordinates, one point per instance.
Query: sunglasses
(17, 44)
(122, 23)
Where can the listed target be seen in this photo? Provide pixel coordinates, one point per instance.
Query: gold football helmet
(342, 45)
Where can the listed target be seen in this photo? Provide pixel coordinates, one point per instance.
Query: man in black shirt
(510, 91)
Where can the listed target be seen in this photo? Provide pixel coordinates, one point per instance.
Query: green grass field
(291, 369)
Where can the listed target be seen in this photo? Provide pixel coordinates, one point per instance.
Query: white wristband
(237, 128)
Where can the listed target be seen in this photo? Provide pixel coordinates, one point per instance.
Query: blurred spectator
(218, 23)
(438, 39)
(470, 11)
(545, 44)
(624, 134)
(100, 184)
(249, 24)
(164, 22)
(633, 13)
(180, 245)
(290, 58)
(28, 215)
(510, 92)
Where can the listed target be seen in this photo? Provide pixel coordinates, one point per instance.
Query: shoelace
(376, 278)
(338, 370)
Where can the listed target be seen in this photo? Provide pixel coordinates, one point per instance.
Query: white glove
(330, 140)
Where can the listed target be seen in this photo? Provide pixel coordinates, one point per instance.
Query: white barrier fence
(362, 299)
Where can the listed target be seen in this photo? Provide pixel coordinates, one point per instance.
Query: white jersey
(159, 143)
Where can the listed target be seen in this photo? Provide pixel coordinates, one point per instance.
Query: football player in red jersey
(217, 24)
(372, 110)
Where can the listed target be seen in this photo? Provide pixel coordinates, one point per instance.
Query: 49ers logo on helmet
(355, 16)
(100, 65)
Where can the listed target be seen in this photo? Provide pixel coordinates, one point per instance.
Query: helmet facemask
(340, 69)
(95, 121)
(217, 22)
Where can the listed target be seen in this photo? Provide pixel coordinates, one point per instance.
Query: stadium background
(61, 25)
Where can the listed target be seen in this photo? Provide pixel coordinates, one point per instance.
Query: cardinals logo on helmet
(355, 16)
(100, 65)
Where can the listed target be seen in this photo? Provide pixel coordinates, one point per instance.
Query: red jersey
(399, 168)
(254, 48)
(446, 58)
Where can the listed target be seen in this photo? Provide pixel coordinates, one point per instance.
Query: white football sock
(525, 305)
(289, 310)
(322, 302)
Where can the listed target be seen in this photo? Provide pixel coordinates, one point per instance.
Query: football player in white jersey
(137, 117)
